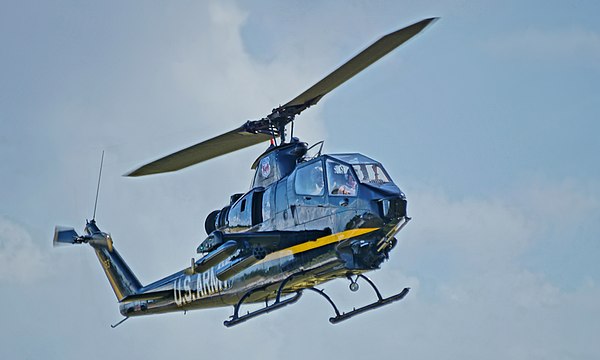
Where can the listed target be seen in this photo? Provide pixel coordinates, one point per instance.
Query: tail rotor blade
(64, 236)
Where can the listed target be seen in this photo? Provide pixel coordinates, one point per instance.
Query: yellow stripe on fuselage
(325, 240)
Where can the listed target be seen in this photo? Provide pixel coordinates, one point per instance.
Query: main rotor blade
(254, 132)
(358, 63)
(217, 146)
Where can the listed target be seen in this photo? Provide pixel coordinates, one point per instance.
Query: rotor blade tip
(130, 174)
(430, 21)
(142, 171)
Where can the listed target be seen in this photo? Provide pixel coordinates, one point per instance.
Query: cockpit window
(368, 170)
(309, 180)
(340, 179)
(354, 158)
(266, 172)
(371, 174)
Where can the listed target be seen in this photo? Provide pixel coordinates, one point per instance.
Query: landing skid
(279, 303)
(374, 305)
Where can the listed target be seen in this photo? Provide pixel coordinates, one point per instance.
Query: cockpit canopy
(339, 175)
(368, 170)
(278, 162)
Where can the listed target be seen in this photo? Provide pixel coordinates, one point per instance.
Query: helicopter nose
(393, 208)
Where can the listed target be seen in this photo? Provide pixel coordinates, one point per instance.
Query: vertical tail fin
(122, 280)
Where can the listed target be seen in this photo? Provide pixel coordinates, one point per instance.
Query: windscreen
(371, 174)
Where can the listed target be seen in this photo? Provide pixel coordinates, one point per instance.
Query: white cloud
(21, 260)
(484, 233)
(492, 233)
(557, 206)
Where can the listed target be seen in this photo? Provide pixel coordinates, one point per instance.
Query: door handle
(344, 202)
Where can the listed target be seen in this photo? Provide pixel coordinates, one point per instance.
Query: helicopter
(307, 219)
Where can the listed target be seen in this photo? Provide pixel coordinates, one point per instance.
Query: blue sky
(488, 121)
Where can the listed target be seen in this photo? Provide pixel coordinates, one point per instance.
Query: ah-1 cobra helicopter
(308, 218)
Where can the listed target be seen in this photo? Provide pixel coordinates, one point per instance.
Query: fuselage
(349, 197)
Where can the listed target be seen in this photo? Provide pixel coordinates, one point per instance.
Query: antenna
(98, 187)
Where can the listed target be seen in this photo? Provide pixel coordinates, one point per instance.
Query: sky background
(489, 121)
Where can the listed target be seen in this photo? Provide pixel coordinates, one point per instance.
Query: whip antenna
(98, 187)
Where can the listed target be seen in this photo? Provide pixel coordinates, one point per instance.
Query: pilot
(375, 171)
(350, 187)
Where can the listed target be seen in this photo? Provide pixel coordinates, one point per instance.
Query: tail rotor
(67, 236)
(64, 235)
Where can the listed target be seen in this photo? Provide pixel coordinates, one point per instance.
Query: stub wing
(246, 248)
